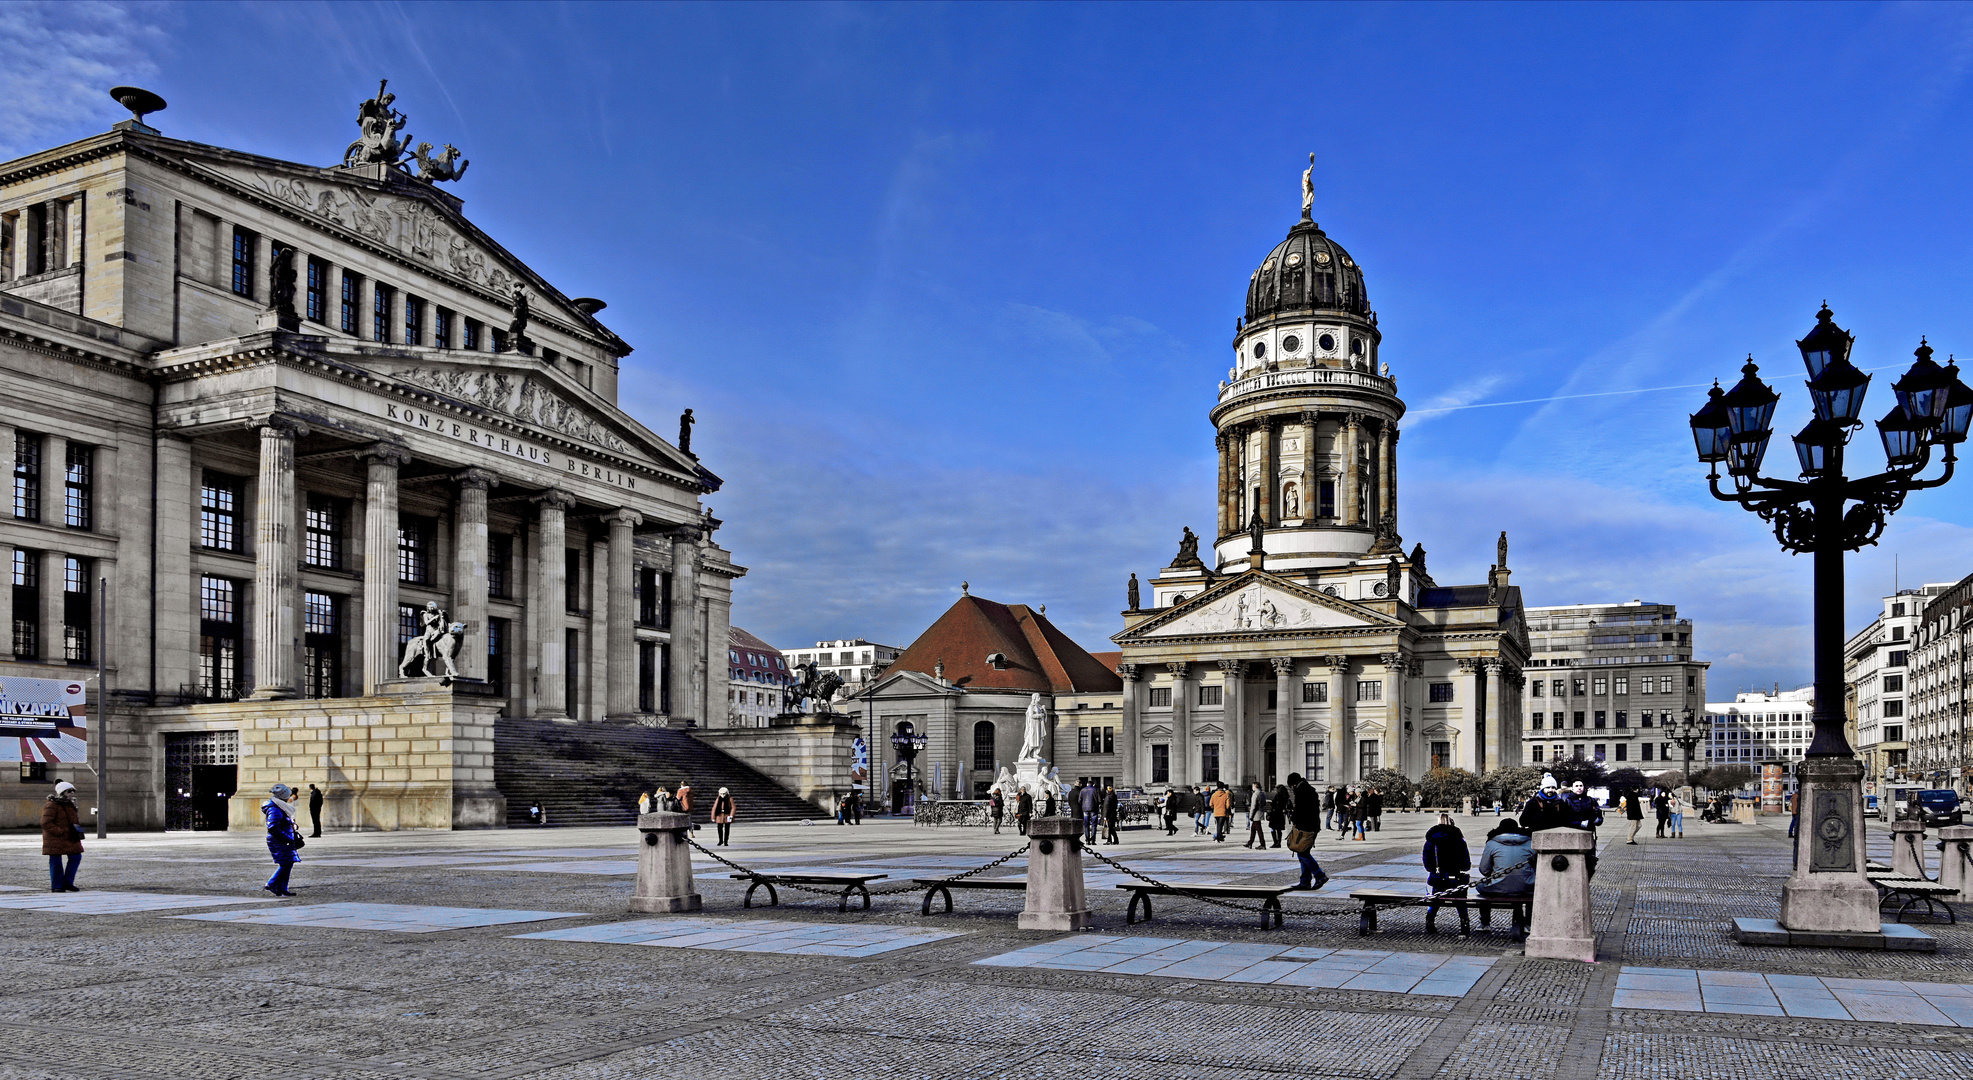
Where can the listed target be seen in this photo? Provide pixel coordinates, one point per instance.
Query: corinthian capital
(1178, 671)
(1127, 672)
(1393, 661)
(1283, 665)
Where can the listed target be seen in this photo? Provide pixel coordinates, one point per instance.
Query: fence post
(1056, 900)
(1907, 857)
(1956, 861)
(664, 864)
(1562, 929)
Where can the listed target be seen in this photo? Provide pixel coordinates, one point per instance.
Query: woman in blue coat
(282, 838)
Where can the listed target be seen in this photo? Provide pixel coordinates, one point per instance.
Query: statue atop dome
(1308, 189)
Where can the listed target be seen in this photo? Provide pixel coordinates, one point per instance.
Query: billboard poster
(44, 720)
(859, 765)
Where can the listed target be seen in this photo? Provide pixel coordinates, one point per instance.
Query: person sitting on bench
(1509, 848)
(1446, 863)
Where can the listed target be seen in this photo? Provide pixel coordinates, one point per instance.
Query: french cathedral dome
(1306, 272)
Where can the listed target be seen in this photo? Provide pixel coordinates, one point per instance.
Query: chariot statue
(437, 169)
(378, 124)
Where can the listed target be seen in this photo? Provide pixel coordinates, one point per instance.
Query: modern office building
(1605, 681)
(855, 660)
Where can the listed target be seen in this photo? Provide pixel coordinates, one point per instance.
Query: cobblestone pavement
(512, 953)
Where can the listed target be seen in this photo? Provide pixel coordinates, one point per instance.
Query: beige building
(281, 409)
(1304, 638)
(1877, 673)
(1607, 681)
(1939, 686)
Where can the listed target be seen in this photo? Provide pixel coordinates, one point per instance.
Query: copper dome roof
(1306, 272)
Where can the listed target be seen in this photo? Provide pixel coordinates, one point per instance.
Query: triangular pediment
(1256, 603)
(423, 226)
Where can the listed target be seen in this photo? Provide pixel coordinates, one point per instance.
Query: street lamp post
(1825, 514)
(1688, 734)
(907, 742)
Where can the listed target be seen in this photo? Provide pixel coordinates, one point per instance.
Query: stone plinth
(1956, 860)
(664, 864)
(1056, 900)
(1908, 848)
(811, 755)
(1562, 929)
(1829, 892)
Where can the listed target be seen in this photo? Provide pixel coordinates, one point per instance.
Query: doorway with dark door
(201, 771)
(1268, 766)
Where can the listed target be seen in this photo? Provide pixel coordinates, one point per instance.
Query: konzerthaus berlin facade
(1304, 638)
(280, 408)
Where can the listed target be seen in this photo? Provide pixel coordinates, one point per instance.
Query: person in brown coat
(61, 837)
(722, 816)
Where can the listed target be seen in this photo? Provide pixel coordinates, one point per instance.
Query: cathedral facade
(273, 422)
(1304, 638)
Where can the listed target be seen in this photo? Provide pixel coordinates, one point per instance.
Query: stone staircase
(591, 774)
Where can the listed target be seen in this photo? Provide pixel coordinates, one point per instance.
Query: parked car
(1939, 806)
(1870, 806)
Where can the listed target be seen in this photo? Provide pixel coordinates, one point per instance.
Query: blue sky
(950, 286)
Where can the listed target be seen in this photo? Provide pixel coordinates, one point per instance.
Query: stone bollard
(1956, 861)
(664, 864)
(1907, 856)
(1056, 900)
(1562, 929)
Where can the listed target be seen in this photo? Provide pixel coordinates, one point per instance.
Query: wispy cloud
(59, 60)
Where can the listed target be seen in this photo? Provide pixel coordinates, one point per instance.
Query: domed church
(1303, 637)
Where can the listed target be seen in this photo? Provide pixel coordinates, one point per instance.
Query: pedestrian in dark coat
(1545, 809)
(1662, 807)
(1024, 810)
(61, 837)
(1112, 816)
(1256, 816)
(1634, 813)
(1090, 805)
(315, 810)
(722, 816)
(1447, 863)
(1048, 803)
(997, 806)
(283, 839)
(1305, 814)
(1373, 809)
(1277, 812)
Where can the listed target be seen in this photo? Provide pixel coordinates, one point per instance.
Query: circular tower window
(1260, 349)
(1328, 343)
(1291, 344)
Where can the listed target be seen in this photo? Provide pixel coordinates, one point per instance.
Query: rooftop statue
(379, 125)
(1500, 550)
(685, 422)
(438, 169)
(518, 325)
(1308, 187)
(1188, 549)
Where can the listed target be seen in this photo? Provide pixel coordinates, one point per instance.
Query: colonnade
(1366, 491)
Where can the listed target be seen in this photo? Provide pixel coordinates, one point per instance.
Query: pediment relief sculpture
(1256, 608)
(515, 395)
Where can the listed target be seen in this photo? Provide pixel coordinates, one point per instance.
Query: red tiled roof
(1108, 659)
(758, 661)
(1039, 656)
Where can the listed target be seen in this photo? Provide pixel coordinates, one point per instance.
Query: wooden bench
(1519, 906)
(848, 883)
(1891, 886)
(1268, 895)
(944, 886)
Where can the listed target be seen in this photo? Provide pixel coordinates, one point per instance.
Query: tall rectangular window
(647, 596)
(380, 314)
(498, 647)
(322, 645)
(572, 579)
(27, 476)
(1209, 695)
(1535, 754)
(1325, 496)
(1370, 689)
(352, 301)
(1557, 688)
(647, 676)
(1442, 755)
(1623, 718)
(318, 284)
(1623, 684)
(1602, 718)
(1647, 751)
(1367, 760)
(470, 338)
(219, 513)
(79, 487)
(1161, 763)
(1314, 762)
(219, 639)
(414, 321)
(1315, 691)
(1622, 749)
(414, 550)
(1209, 763)
(243, 262)
(322, 544)
(27, 604)
(1577, 719)
(571, 663)
(441, 328)
(1602, 686)
(499, 565)
(77, 616)
(664, 601)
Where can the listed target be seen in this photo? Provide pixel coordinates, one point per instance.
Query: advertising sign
(44, 720)
(859, 766)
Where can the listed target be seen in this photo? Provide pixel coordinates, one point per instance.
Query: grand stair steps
(592, 773)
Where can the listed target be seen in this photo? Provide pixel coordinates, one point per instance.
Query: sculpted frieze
(1254, 608)
(521, 397)
(408, 225)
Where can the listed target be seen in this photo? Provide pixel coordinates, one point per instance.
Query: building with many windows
(1757, 727)
(854, 660)
(1939, 684)
(1877, 672)
(288, 413)
(1606, 680)
(756, 680)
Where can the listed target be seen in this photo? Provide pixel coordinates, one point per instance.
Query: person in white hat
(722, 816)
(61, 838)
(1547, 809)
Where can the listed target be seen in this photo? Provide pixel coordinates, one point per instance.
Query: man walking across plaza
(1111, 813)
(1256, 816)
(1277, 812)
(1329, 806)
(1305, 819)
(997, 806)
(315, 810)
(1089, 806)
(1024, 810)
(1222, 804)
(1634, 812)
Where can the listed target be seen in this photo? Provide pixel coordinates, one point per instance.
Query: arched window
(983, 746)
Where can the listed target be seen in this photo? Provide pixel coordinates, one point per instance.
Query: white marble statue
(1308, 186)
(1034, 735)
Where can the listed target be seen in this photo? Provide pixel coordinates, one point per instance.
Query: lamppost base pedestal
(1895, 937)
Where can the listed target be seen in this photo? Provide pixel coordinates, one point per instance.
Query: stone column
(54, 585)
(394, 330)
(1270, 505)
(1395, 742)
(1342, 736)
(366, 307)
(277, 579)
(1181, 733)
(332, 295)
(1287, 690)
(1352, 492)
(1391, 479)
(1127, 727)
(54, 477)
(1311, 491)
(263, 268)
(684, 622)
(1490, 668)
(1219, 445)
(548, 608)
(469, 556)
(380, 564)
(1233, 718)
(620, 697)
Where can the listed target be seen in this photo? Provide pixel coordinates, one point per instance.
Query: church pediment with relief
(518, 396)
(1257, 603)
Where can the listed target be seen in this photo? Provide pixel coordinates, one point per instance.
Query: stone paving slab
(1254, 962)
(106, 902)
(1752, 993)
(752, 935)
(396, 918)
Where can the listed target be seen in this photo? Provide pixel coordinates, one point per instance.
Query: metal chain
(1183, 891)
(891, 891)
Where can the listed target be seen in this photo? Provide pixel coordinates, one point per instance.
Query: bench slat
(810, 879)
(970, 883)
(1212, 890)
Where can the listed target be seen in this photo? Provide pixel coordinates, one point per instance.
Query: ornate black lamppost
(1689, 733)
(1825, 514)
(907, 742)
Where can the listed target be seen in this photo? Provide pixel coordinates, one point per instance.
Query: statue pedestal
(429, 684)
(1562, 928)
(664, 865)
(1056, 900)
(1027, 776)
